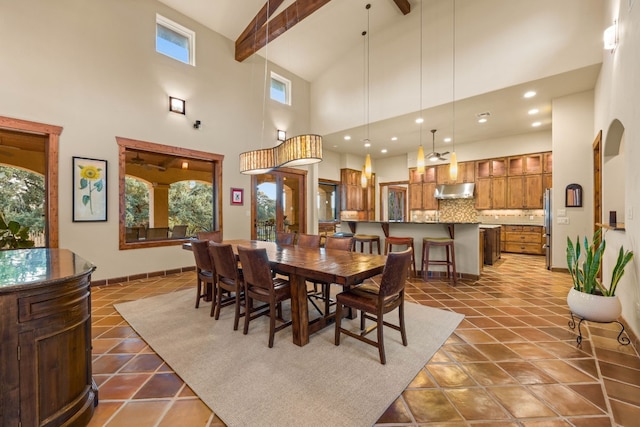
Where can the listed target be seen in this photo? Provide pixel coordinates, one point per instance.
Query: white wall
(90, 66)
(572, 163)
(503, 25)
(616, 97)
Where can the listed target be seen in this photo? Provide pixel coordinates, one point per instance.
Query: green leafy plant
(584, 267)
(13, 235)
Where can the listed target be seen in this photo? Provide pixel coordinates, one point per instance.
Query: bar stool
(401, 241)
(450, 262)
(366, 238)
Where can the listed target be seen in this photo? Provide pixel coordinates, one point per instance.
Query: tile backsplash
(512, 216)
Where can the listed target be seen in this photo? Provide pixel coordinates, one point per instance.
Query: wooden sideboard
(45, 326)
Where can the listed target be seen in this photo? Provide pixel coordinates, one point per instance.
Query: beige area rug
(248, 384)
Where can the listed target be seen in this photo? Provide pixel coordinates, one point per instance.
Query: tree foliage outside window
(136, 202)
(22, 197)
(191, 205)
(266, 207)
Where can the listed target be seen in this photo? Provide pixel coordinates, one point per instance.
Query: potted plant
(13, 235)
(589, 298)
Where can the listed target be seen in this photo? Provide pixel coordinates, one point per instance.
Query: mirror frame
(215, 159)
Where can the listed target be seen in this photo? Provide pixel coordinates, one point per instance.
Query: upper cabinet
(525, 165)
(422, 188)
(488, 168)
(466, 173)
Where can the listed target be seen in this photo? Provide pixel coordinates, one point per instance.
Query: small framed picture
(89, 189)
(237, 196)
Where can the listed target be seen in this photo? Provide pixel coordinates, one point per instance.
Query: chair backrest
(179, 231)
(256, 267)
(394, 275)
(157, 233)
(283, 238)
(340, 243)
(213, 236)
(308, 240)
(224, 260)
(200, 250)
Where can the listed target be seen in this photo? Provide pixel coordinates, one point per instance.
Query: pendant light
(363, 178)
(367, 161)
(453, 166)
(420, 158)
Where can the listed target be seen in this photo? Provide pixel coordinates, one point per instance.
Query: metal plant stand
(572, 324)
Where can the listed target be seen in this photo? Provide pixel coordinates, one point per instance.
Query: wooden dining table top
(320, 264)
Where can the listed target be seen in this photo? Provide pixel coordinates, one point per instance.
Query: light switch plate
(562, 212)
(563, 220)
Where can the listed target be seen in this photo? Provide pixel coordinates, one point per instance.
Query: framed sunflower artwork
(89, 189)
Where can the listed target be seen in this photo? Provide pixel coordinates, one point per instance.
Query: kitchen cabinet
(422, 188)
(524, 192)
(492, 250)
(491, 193)
(351, 190)
(488, 168)
(525, 164)
(547, 166)
(523, 239)
(466, 173)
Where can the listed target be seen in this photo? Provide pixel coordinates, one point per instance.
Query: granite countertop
(410, 222)
(490, 225)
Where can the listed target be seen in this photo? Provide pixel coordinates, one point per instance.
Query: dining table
(322, 265)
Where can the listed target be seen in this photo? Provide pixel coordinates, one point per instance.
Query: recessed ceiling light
(447, 139)
(367, 144)
(383, 151)
(530, 94)
(482, 120)
(347, 137)
(394, 138)
(483, 117)
(533, 111)
(536, 124)
(419, 120)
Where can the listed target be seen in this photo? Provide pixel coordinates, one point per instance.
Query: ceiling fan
(137, 160)
(434, 156)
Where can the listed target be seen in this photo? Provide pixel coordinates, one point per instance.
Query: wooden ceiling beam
(403, 5)
(255, 36)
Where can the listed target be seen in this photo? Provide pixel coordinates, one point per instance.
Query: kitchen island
(466, 237)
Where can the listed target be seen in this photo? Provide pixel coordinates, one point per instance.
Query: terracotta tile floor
(513, 361)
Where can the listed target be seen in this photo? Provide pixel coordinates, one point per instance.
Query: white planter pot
(594, 307)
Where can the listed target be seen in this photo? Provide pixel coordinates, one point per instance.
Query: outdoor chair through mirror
(228, 278)
(262, 286)
(374, 302)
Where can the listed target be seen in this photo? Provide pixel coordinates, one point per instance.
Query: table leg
(299, 310)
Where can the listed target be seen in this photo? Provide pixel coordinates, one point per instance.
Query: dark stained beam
(403, 5)
(255, 36)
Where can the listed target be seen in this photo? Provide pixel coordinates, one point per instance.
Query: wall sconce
(611, 37)
(185, 165)
(281, 135)
(196, 124)
(177, 105)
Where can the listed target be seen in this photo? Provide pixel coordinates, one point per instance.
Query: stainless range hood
(455, 191)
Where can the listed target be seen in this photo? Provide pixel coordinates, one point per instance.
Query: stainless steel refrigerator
(548, 222)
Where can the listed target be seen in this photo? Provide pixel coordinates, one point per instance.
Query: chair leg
(218, 303)
(338, 322)
(214, 299)
(272, 322)
(236, 320)
(453, 265)
(199, 292)
(362, 320)
(249, 307)
(403, 331)
(383, 359)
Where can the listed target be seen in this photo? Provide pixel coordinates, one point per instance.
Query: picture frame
(237, 196)
(89, 189)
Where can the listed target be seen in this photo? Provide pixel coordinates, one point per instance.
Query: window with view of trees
(22, 194)
(167, 193)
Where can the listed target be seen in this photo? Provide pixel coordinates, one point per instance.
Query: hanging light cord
(367, 42)
(453, 85)
(421, 118)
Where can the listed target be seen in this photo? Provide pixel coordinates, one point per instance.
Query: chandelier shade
(367, 166)
(363, 178)
(257, 161)
(453, 167)
(299, 150)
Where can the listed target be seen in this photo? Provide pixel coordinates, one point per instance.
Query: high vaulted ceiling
(308, 36)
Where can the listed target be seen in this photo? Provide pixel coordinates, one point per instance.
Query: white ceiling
(308, 49)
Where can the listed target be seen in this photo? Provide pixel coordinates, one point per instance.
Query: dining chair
(375, 301)
(308, 240)
(178, 231)
(228, 278)
(204, 271)
(262, 286)
(283, 238)
(158, 233)
(213, 236)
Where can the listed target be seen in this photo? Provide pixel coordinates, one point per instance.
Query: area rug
(246, 383)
